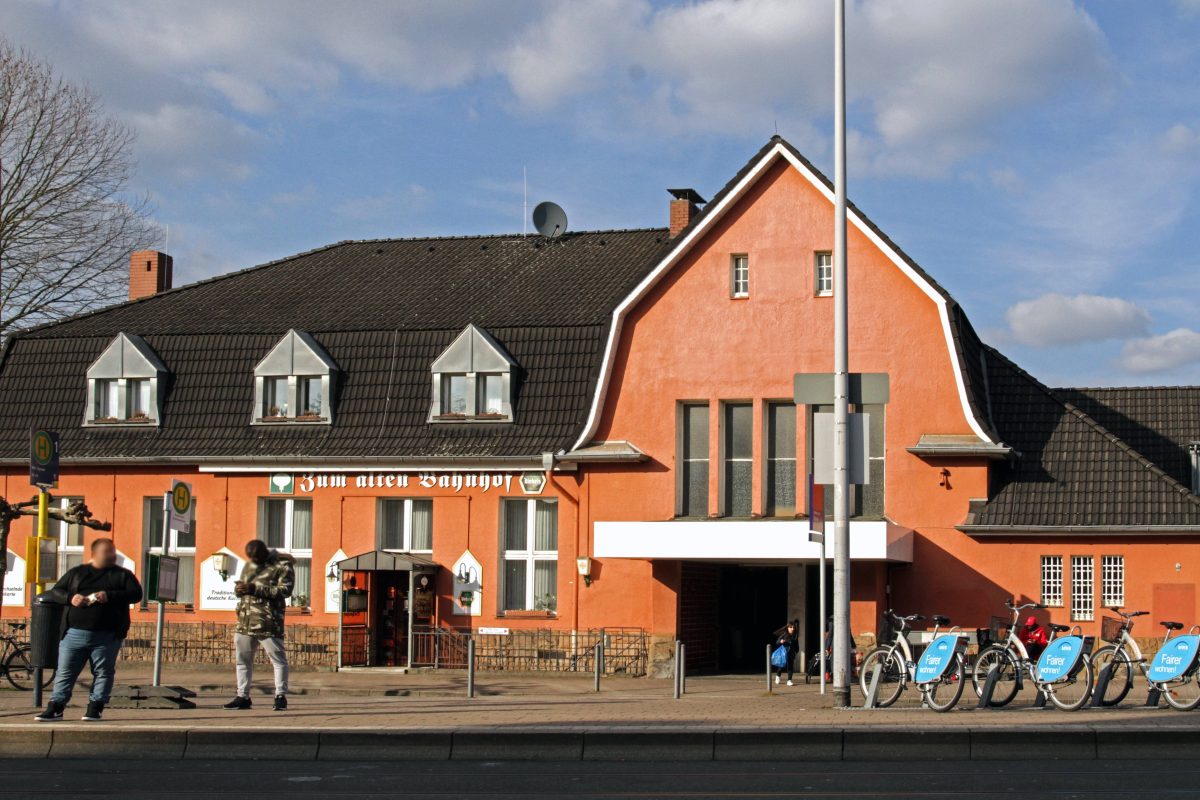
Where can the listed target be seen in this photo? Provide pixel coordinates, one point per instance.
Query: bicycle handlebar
(1117, 610)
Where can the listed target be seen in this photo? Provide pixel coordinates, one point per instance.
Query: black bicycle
(16, 663)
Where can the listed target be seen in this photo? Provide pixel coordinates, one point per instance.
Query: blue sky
(1041, 158)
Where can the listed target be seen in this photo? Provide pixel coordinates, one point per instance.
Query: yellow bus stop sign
(181, 512)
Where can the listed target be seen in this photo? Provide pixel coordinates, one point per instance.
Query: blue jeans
(78, 646)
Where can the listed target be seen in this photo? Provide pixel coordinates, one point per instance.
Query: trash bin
(45, 630)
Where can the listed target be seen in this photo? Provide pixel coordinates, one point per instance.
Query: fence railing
(626, 650)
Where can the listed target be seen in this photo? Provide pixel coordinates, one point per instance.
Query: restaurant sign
(454, 481)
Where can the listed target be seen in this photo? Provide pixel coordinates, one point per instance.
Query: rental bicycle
(1173, 672)
(1063, 672)
(16, 663)
(939, 674)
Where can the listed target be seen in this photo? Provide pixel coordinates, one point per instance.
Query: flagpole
(841, 404)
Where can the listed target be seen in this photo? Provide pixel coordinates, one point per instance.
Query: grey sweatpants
(245, 646)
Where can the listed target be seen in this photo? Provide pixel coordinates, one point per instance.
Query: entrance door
(753, 604)
(390, 626)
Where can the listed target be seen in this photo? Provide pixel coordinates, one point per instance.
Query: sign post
(43, 473)
(816, 533)
(178, 515)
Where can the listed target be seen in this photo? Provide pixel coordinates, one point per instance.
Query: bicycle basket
(1111, 627)
(998, 630)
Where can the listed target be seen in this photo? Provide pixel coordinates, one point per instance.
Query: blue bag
(779, 659)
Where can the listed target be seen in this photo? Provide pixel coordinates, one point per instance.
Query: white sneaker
(791, 684)
(776, 680)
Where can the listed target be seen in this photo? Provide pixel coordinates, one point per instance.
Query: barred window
(1052, 580)
(1112, 581)
(1083, 589)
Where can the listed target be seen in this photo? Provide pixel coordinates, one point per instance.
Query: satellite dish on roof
(549, 219)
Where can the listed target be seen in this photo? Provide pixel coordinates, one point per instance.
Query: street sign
(283, 483)
(816, 388)
(162, 580)
(181, 509)
(47, 559)
(823, 441)
(43, 458)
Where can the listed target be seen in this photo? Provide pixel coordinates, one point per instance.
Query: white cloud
(1055, 319)
(1180, 138)
(189, 141)
(1170, 351)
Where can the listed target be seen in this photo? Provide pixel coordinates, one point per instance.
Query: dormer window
(294, 382)
(124, 384)
(472, 380)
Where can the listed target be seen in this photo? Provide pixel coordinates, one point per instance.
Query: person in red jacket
(1033, 636)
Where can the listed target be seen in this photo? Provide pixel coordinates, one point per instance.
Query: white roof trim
(647, 283)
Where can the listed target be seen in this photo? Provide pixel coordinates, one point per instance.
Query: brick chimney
(684, 208)
(149, 273)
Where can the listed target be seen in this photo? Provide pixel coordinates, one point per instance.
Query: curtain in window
(106, 399)
(303, 586)
(392, 524)
(546, 526)
(515, 533)
(422, 525)
(514, 584)
(187, 579)
(302, 525)
(274, 522)
(545, 585)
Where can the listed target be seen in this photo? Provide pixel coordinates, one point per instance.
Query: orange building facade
(673, 501)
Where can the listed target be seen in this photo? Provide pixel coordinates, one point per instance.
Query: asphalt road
(133, 780)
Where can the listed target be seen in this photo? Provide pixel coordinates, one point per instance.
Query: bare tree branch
(67, 220)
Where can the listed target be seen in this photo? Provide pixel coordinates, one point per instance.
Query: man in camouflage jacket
(263, 588)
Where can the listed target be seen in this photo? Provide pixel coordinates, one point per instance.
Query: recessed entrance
(728, 614)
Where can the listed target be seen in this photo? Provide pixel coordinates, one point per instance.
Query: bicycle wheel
(1183, 694)
(1005, 688)
(942, 695)
(888, 664)
(1073, 693)
(1121, 676)
(18, 670)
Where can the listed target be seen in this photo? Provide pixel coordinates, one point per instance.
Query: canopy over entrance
(384, 561)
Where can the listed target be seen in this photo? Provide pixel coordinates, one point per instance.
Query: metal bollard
(470, 668)
(675, 689)
(768, 669)
(598, 663)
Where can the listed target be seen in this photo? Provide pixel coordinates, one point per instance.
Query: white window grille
(1083, 589)
(740, 277)
(69, 536)
(1052, 581)
(530, 555)
(1112, 581)
(406, 524)
(286, 526)
(824, 274)
(181, 545)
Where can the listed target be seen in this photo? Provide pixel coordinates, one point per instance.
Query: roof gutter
(295, 464)
(1024, 531)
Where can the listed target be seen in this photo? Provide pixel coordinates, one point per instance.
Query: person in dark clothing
(97, 596)
(789, 638)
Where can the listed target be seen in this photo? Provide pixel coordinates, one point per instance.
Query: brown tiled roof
(382, 310)
(1071, 470)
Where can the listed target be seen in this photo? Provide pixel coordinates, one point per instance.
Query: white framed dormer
(472, 380)
(124, 385)
(294, 383)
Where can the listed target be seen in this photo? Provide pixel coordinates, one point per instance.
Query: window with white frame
(294, 382)
(823, 274)
(285, 524)
(179, 544)
(405, 524)
(739, 277)
(1083, 589)
(530, 580)
(472, 380)
(1052, 581)
(124, 384)
(69, 537)
(1112, 581)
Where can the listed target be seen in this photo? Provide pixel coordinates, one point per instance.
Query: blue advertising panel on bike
(1059, 659)
(937, 657)
(1174, 659)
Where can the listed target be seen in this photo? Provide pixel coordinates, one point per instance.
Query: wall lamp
(584, 565)
(223, 563)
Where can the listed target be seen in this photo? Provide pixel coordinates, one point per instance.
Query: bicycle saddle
(20, 626)
(1058, 628)
(1172, 626)
(938, 619)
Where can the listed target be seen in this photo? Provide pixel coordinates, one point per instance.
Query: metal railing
(626, 650)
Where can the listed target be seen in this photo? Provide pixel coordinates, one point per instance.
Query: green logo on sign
(181, 498)
(43, 448)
